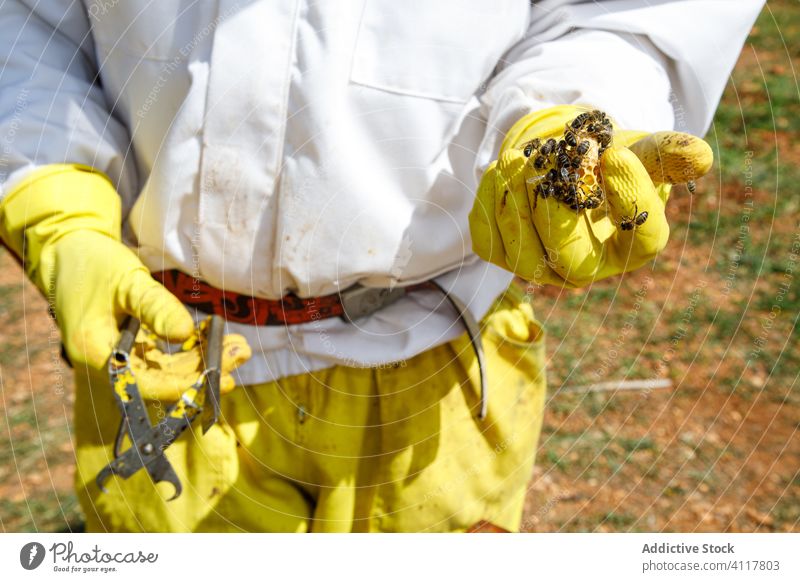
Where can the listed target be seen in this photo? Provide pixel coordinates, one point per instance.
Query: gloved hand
(165, 376)
(543, 240)
(64, 221)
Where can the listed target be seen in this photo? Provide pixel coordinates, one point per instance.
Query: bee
(548, 147)
(539, 162)
(600, 116)
(564, 173)
(583, 148)
(578, 122)
(551, 176)
(604, 140)
(546, 190)
(595, 199)
(528, 150)
(691, 186)
(540, 190)
(591, 203)
(576, 162)
(570, 138)
(563, 160)
(631, 222)
(596, 121)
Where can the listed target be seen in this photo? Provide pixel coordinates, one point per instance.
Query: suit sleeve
(651, 65)
(52, 107)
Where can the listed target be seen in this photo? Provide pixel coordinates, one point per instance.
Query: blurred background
(674, 400)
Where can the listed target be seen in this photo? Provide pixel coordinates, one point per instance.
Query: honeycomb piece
(568, 169)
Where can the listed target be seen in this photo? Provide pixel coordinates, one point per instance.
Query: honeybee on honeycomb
(571, 165)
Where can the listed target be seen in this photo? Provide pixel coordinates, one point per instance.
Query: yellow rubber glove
(165, 376)
(544, 241)
(63, 222)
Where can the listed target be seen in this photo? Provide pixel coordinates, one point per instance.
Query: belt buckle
(359, 301)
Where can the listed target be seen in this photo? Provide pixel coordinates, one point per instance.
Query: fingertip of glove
(236, 350)
(615, 157)
(625, 177)
(180, 325)
(226, 384)
(176, 326)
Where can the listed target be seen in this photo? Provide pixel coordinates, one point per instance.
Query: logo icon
(31, 555)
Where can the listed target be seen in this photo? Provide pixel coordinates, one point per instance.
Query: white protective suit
(269, 146)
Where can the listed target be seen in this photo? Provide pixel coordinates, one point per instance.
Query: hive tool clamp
(148, 441)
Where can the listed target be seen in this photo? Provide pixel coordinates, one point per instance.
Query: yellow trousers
(395, 448)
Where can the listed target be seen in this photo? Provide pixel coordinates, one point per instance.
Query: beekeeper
(307, 171)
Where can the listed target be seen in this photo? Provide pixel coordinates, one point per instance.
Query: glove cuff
(54, 201)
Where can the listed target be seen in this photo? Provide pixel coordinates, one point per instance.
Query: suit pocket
(443, 50)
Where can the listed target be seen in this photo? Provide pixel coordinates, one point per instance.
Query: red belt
(350, 304)
(290, 309)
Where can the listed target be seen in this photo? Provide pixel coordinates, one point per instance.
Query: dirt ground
(716, 315)
(697, 457)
